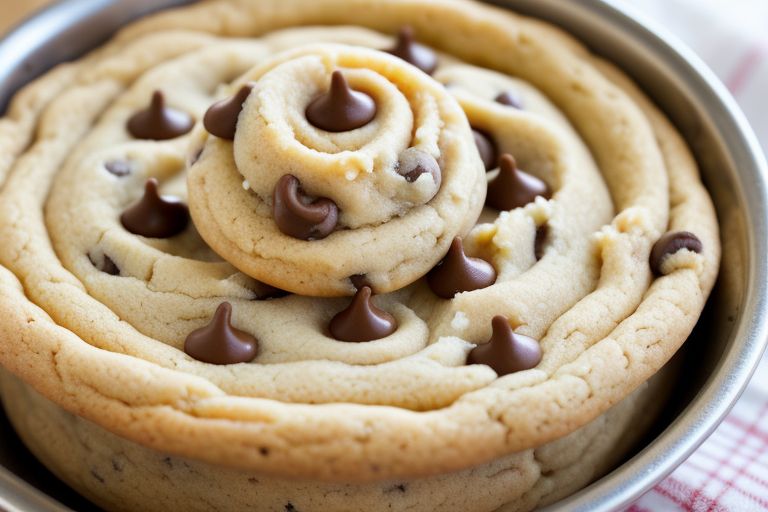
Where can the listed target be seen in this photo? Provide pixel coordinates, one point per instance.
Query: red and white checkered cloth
(729, 472)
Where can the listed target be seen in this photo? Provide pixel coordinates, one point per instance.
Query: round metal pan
(726, 346)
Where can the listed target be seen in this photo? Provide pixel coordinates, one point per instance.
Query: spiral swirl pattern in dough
(390, 230)
(95, 317)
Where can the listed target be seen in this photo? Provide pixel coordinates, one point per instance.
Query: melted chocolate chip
(414, 53)
(506, 352)
(119, 168)
(154, 216)
(510, 99)
(158, 122)
(219, 342)
(669, 244)
(415, 162)
(341, 108)
(296, 216)
(105, 264)
(459, 273)
(513, 188)
(542, 232)
(487, 149)
(362, 320)
(221, 118)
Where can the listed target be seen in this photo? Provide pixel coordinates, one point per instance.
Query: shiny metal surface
(732, 333)
(62, 32)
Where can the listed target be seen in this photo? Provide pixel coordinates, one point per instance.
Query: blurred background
(721, 31)
(14, 10)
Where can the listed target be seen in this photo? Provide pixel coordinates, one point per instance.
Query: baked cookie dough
(120, 475)
(399, 188)
(280, 238)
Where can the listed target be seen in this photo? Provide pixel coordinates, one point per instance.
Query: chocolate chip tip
(362, 320)
(219, 342)
(155, 216)
(361, 280)
(513, 188)
(159, 122)
(458, 273)
(670, 243)
(407, 49)
(506, 351)
(221, 118)
(341, 108)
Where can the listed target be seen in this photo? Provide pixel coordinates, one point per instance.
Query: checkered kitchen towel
(729, 472)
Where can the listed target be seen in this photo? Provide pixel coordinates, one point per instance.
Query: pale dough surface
(390, 231)
(107, 348)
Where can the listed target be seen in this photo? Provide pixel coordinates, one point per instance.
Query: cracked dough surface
(108, 348)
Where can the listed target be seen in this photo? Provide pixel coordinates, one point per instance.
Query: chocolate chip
(109, 267)
(277, 294)
(105, 264)
(154, 216)
(263, 291)
(119, 168)
(196, 156)
(669, 244)
(459, 273)
(542, 233)
(341, 108)
(221, 118)
(362, 320)
(487, 148)
(512, 187)
(290, 508)
(506, 352)
(510, 99)
(360, 280)
(415, 162)
(219, 342)
(158, 122)
(414, 53)
(296, 216)
(264, 451)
